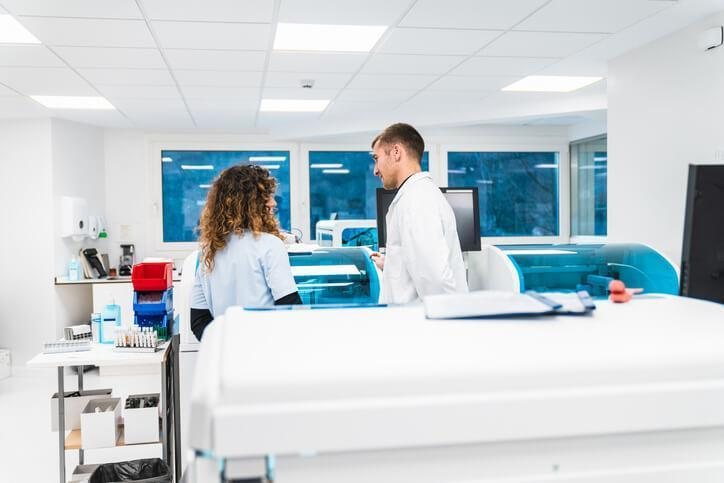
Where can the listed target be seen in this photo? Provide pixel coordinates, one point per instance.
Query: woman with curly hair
(242, 260)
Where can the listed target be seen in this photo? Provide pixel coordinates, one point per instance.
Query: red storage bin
(152, 276)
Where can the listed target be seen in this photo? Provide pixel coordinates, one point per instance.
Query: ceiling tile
(138, 92)
(210, 10)
(90, 32)
(5, 92)
(135, 106)
(411, 64)
(215, 59)
(224, 119)
(47, 81)
(129, 77)
(445, 97)
(20, 107)
(247, 102)
(315, 62)
(230, 94)
(578, 65)
(591, 15)
(341, 108)
(104, 118)
(322, 80)
(28, 56)
(472, 14)
(541, 44)
(379, 81)
(221, 36)
(113, 58)
(218, 78)
(75, 8)
(465, 83)
(502, 66)
(436, 41)
(162, 119)
(376, 95)
(298, 93)
(369, 12)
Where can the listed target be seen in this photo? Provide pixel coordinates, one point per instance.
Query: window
(518, 191)
(186, 177)
(342, 186)
(589, 202)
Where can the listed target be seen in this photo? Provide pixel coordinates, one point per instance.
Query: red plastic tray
(152, 276)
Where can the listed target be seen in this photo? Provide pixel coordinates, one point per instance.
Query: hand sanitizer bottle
(74, 270)
(110, 321)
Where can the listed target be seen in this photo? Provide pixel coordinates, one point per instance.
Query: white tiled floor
(28, 449)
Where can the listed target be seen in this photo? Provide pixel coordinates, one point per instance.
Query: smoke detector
(306, 83)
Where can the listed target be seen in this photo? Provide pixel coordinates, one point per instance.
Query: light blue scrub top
(250, 271)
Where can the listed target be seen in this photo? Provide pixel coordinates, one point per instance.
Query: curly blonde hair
(236, 202)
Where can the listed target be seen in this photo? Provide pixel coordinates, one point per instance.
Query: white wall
(78, 170)
(26, 237)
(131, 192)
(666, 102)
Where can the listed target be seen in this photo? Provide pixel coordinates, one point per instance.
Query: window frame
(305, 148)
(564, 192)
(156, 146)
(584, 238)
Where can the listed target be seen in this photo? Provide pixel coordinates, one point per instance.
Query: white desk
(633, 393)
(102, 355)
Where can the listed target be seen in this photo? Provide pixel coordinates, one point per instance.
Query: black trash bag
(150, 470)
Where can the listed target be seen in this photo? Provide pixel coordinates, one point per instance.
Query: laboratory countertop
(100, 355)
(87, 281)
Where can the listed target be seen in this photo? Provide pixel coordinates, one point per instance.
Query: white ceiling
(189, 64)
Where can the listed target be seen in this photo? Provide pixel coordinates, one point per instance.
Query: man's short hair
(403, 134)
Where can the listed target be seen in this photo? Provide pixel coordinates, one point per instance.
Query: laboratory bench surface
(90, 281)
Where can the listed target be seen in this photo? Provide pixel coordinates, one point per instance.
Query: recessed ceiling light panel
(550, 83)
(293, 105)
(11, 32)
(330, 38)
(74, 102)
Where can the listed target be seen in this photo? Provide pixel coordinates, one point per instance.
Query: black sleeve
(200, 318)
(291, 299)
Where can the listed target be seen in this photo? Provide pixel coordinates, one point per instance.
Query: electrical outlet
(719, 155)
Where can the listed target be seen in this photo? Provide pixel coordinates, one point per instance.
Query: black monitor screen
(465, 205)
(702, 261)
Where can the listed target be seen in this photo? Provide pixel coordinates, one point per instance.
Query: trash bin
(150, 470)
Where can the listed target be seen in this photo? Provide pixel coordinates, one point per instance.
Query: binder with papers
(486, 304)
(498, 304)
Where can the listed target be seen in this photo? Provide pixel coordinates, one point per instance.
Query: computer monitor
(702, 259)
(465, 205)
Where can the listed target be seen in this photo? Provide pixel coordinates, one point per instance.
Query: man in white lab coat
(423, 254)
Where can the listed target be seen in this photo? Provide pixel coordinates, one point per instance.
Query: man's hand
(378, 259)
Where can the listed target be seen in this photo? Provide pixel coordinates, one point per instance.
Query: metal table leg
(164, 415)
(176, 409)
(61, 425)
(81, 453)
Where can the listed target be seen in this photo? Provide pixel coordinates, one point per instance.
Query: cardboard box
(141, 424)
(100, 429)
(75, 402)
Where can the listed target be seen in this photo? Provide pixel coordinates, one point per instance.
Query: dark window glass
(187, 175)
(518, 191)
(342, 186)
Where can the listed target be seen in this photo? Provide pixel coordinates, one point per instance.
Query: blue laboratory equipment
(336, 275)
(590, 267)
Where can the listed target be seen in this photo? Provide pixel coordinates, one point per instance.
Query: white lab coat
(423, 254)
